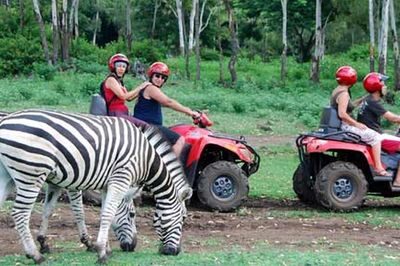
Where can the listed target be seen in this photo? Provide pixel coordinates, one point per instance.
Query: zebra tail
(6, 184)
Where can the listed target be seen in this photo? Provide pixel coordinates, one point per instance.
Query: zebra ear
(186, 194)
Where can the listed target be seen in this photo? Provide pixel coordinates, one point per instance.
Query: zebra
(84, 152)
(124, 224)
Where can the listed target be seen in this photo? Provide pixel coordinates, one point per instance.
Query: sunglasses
(160, 76)
(121, 64)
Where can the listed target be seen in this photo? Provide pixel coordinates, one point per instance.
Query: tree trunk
(197, 24)
(371, 37)
(76, 22)
(181, 22)
(221, 54)
(128, 26)
(153, 27)
(56, 33)
(284, 41)
(318, 44)
(384, 36)
(193, 16)
(42, 31)
(71, 18)
(21, 14)
(395, 47)
(234, 41)
(96, 23)
(64, 32)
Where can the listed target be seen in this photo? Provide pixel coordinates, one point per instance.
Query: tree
(371, 36)
(64, 32)
(128, 26)
(318, 43)
(395, 46)
(157, 4)
(42, 31)
(197, 24)
(96, 23)
(234, 40)
(284, 41)
(383, 37)
(56, 32)
(181, 23)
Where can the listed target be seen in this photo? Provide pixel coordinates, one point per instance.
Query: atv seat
(98, 105)
(330, 121)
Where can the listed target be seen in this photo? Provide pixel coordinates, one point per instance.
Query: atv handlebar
(202, 120)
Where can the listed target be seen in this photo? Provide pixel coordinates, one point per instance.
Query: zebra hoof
(45, 249)
(39, 259)
(102, 260)
(125, 246)
(170, 250)
(90, 248)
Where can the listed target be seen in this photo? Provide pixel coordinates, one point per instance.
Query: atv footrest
(383, 178)
(395, 189)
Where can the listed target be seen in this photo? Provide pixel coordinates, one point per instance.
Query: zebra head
(124, 223)
(168, 222)
(167, 181)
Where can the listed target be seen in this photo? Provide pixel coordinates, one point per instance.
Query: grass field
(258, 106)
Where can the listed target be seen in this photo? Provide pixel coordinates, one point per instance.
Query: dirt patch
(217, 231)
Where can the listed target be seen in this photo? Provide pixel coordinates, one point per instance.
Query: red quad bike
(217, 166)
(336, 167)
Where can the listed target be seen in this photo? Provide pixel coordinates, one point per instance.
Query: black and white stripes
(81, 152)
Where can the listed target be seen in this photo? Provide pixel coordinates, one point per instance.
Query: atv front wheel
(302, 186)
(340, 186)
(222, 186)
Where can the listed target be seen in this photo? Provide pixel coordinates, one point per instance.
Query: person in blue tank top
(150, 100)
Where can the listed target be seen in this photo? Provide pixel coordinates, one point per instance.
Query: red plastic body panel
(315, 145)
(199, 138)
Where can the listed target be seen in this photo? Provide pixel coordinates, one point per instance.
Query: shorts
(168, 134)
(369, 136)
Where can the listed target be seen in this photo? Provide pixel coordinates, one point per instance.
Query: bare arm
(118, 90)
(133, 94)
(342, 102)
(392, 117)
(156, 94)
(358, 101)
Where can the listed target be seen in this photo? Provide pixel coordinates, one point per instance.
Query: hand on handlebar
(195, 114)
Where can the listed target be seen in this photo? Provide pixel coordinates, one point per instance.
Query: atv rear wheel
(302, 186)
(340, 186)
(222, 186)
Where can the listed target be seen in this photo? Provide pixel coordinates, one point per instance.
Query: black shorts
(168, 134)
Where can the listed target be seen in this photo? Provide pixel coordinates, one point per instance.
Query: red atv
(336, 167)
(217, 166)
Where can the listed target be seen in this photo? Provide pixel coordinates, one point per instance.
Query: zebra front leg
(21, 213)
(115, 193)
(76, 202)
(52, 195)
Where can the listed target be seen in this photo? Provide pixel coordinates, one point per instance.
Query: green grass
(316, 253)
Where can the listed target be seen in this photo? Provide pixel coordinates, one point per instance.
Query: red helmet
(117, 58)
(346, 75)
(158, 67)
(374, 82)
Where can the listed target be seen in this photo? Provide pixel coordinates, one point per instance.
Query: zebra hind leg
(52, 195)
(25, 199)
(76, 202)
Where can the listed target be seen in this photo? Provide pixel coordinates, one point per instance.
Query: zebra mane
(168, 157)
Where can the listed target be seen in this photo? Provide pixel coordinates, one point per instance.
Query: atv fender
(321, 146)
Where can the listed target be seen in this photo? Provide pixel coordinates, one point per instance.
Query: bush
(148, 51)
(209, 54)
(44, 71)
(17, 55)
